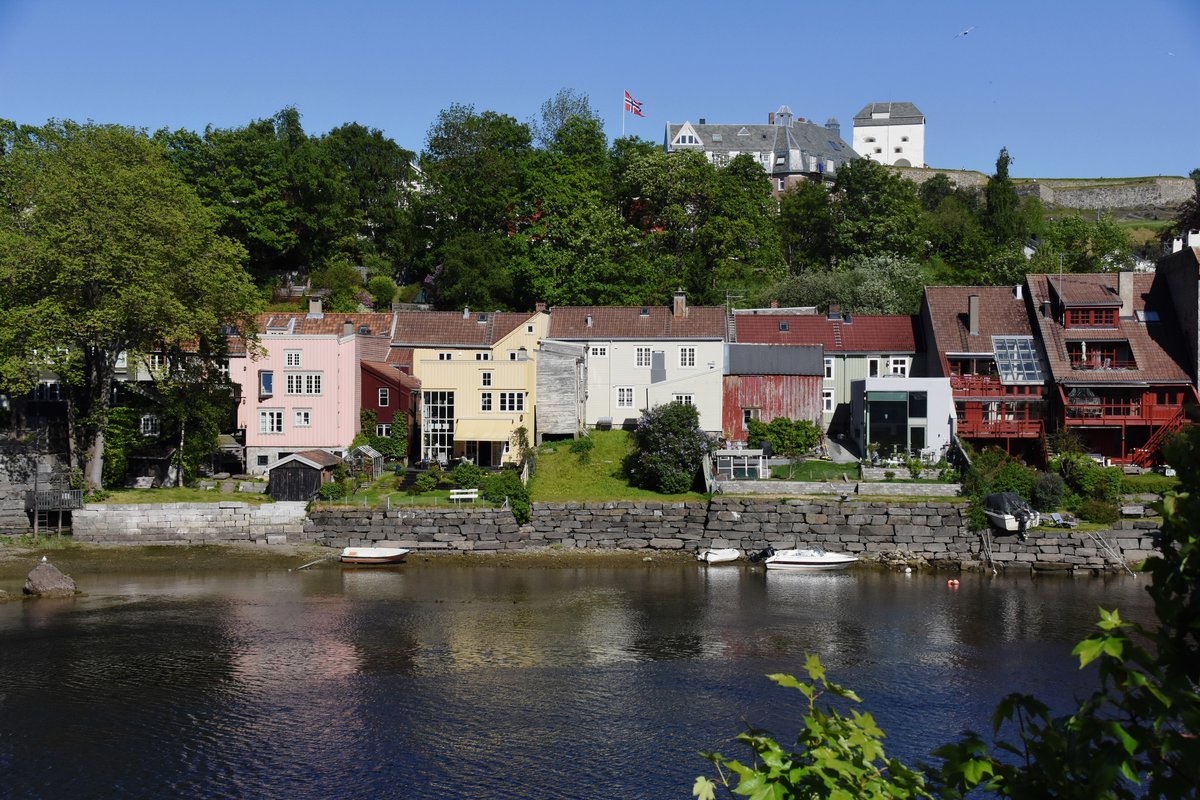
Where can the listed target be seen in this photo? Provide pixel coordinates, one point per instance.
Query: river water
(428, 681)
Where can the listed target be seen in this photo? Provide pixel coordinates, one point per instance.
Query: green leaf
(704, 789)
(975, 769)
(1088, 650)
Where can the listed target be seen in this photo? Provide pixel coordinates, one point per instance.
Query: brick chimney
(539, 307)
(1125, 292)
(679, 306)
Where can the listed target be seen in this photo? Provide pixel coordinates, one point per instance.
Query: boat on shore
(805, 559)
(1008, 512)
(720, 555)
(373, 555)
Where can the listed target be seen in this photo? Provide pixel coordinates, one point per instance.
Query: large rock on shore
(46, 580)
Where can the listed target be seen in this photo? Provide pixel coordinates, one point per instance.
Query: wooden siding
(295, 481)
(791, 396)
(560, 383)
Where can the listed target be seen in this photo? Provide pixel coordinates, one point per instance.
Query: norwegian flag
(633, 106)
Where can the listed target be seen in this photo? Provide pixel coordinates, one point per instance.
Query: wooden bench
(462, 495)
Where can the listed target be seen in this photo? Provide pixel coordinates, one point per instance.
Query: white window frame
(385, 397)
(485, 402)
(304, 383)
(383, 429)
(642, 357)
(898, 366)
(598, 351)
(687, 399)
(445, 356)
(877, 363)
(291, 358)
(749, 414)
(687, 358)
(829, 368)
(827, 398)
(485, 378)
(270, 421)
(625, 397)
(512, 402)
(150, 425)
(302, 417)
(483, 356)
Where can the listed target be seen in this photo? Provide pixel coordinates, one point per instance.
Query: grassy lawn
(816, 471)
(560, 478)
(171, 494)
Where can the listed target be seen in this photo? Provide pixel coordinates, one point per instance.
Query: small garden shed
(299, 475)
(368, 460)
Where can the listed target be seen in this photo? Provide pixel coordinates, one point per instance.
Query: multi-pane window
(642, 356)
(1091, 317)
(512, 401)
(438, 426)
(827, 400)
(485, 379)
(304, 383)
(291, 358)
(899, 366)
(47, 390)
(687, 357)
(383, 429)
(264, 461)
(483, 356)
(150, 425)
(624, 397)
(270, 420)
(747, 415)
(445, 356)
(685, 399)
(598, 351)
(302, 417)
(385, 397)
(485, 401)
(828, 369)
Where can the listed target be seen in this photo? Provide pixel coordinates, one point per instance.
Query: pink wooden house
(301, 388)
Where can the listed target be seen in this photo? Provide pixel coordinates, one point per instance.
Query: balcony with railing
(999, 428)
(1104, 355)
(1127, 412)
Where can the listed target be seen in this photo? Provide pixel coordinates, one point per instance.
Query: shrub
(426, 482)
(914, 467)
(889, 474)
(668, 449)
(1098, 511)
(1089, 480)
(334, 490)
(466, 475)
(1047, 493)
(1014, 477)
(789, 438)
(582, 448)
(506, 484)
(1153, 484)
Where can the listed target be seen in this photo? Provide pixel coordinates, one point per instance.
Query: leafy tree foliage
(104, 250)
(1001, 213)
(1082, 246)
(565, 107)
(875, 285)
(875, 212)
(668, 449)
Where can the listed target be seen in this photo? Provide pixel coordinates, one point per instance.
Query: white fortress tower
(891, 133)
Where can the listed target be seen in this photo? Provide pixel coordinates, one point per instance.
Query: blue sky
(1072, 88)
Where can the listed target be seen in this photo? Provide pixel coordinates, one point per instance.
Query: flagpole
(622, 117)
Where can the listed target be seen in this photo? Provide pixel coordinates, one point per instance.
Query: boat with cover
(720, 555)
(1007, 511)
(373, 555)
(804, 559)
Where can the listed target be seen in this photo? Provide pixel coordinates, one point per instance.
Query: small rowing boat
(720, 555)
(373, 555)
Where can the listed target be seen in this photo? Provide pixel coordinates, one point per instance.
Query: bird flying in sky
(964, 33)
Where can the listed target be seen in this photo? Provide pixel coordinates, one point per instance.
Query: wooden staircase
(1145, 455)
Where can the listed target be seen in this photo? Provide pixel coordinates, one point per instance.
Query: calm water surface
(478, 682)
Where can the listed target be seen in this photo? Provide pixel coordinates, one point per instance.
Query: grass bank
(566, 477)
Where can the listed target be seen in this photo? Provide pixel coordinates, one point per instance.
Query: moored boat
(373, 555)
(1008, 512)
(719, 555)
(805, 559)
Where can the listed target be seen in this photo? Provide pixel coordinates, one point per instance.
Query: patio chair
(1063, 520)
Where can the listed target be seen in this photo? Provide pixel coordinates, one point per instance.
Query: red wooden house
(765, 381)
(1119, 360)
(980, 337)
(394, 396)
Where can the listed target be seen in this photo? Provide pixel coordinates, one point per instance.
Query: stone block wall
(190, 523)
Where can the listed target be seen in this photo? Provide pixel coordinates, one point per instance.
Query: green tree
(341, 280)
(806, 226)
(875, 211)
(668, 449)
(868, 285)
(1082, 246)
(565, 106)
(1001, 212)
(103, 251)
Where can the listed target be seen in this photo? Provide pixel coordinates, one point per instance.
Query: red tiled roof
(391, 372)
(862, 334)
(1001, 313)
(400, 357)
(452, 328)
(329, 323)
(628, 322)
(1158, 348)
(1085, 290)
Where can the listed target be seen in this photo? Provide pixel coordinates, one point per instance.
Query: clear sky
(1073, 88)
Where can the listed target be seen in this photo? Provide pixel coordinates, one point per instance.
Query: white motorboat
(1007, 511)
(719, 555)
(806, 559)
(373, 555)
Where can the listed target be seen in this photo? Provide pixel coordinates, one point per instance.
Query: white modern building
(891, 133)
(902, 416)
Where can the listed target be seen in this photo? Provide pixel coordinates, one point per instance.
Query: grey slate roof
(898, 114)
(809, 138)
(774, 359)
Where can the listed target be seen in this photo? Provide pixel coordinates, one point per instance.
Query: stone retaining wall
(190, 523)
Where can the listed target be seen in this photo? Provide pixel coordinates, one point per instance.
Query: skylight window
(1017, 360)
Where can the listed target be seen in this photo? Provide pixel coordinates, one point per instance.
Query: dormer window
(686, 138)
(1090, 318)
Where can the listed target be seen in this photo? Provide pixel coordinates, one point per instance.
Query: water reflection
(465, 682)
